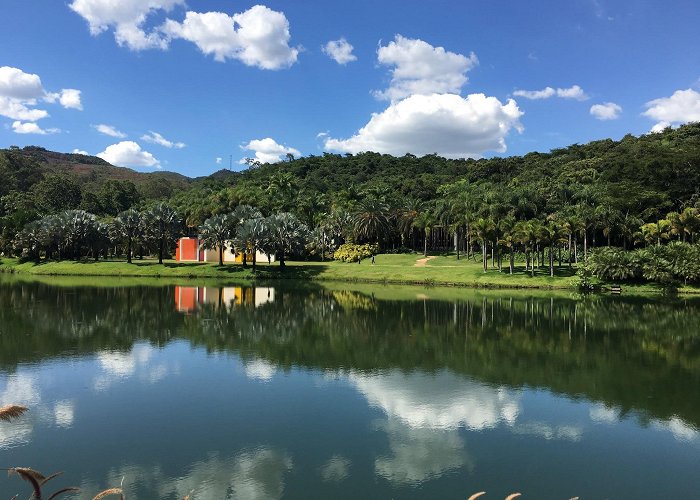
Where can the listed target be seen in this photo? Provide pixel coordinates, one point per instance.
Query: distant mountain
(83, 169)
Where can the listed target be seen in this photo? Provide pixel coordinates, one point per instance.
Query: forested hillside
(612, 187)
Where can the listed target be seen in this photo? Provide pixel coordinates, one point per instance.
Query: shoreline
(466, 275)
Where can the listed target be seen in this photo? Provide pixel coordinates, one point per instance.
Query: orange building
(190, 250)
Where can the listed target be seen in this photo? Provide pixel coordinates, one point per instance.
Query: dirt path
(423, 262)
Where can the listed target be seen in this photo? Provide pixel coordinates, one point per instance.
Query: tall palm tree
(484, 229)
(424, 222)
(128, 226)
(216, 233)
(239, 215)
(162, 226)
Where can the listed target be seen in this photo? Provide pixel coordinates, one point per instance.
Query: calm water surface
(379, 393)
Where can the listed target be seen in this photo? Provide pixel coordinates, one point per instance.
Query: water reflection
(426, 387)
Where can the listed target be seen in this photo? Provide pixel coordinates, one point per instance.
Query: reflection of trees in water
(629, 353)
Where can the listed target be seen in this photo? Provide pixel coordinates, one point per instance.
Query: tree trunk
(570, 250)
(512, 259)
(221, 255)
(255, 255)
(551, 260)
(585, 245)
(160, 251)
(483, 254)
(282, 264)
(128, 250)
(425, 245)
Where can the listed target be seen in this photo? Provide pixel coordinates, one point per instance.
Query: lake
(300, 391)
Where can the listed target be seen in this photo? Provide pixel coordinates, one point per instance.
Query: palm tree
(407, 213)
(128, 225)
(286, 235)
(484, 229)
(654, 232)
(371, 219)
(239, 215)
(424, 222)
(252, 235)
(162, 224)
(216, 232)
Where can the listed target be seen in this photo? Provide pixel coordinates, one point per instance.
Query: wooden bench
(616, 289)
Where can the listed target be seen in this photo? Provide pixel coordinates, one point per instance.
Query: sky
(197, 86)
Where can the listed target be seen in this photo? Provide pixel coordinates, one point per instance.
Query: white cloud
(64, 413)
(257, 37)
(20, 93)
(446, 124)
(156, 138)
(681, 107)
(128, 154)
(606, 111)
(219, 160)
(340, 51)
(127, 17)
(32, 128)
(70, 99)
(16, 84)
(109, 130)
(659, 127)
(77, 151)
(573, 92)
(268, 150)
(420, 68)
(16, 110)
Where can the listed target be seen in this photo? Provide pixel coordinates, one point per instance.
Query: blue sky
(179, 84)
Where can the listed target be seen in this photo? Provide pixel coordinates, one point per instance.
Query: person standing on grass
(372, 259)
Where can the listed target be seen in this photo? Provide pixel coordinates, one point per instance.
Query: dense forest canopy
(617, 183)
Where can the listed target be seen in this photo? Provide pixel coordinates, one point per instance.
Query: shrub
(351, 252)
(614, 264)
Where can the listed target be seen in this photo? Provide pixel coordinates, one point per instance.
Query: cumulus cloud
(77, 151)
(20, 93)
(420, 68)
(127, 17)
(606, 111)
(128, 154)
(156, 138)
(109, 130)
(573, 92)
(257, 37)
(446, 124)
(32, 128)
(16, 84)
(340, 51)
(681, 107)
(16, 110)
(268, 150)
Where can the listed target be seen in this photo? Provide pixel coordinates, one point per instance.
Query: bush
(614, 264)
(351, 252)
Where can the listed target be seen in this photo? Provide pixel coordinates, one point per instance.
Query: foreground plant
(9, 412)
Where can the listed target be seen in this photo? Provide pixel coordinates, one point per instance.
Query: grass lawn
(439, 270)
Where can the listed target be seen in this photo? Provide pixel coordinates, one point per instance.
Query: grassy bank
(398, 269)
(444, 270)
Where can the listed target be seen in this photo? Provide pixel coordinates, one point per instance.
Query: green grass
(441, 270)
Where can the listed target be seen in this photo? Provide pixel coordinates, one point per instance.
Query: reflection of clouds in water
(336, 469)
(118, 365)
(64, 412)
(419, 454)
(439, 401)
(19, 389)
(603, 414)
(424, 413)
(547, 431)
(254, 474)
(260, 369)
(680, 430)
